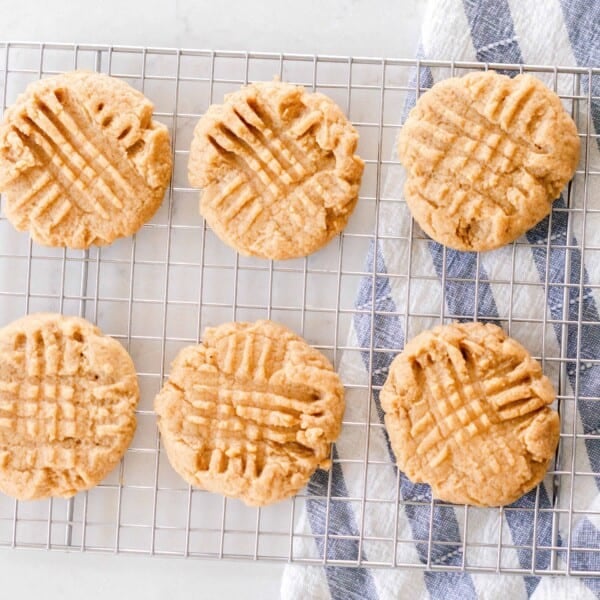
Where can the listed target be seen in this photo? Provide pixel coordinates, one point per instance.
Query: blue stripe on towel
(460, 287)
(586, 535)
(492, 30)
(353, 583)
(582, 20)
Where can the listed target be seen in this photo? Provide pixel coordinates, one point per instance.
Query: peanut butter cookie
(486, 156)
(251, 412)
(67, 406)
(467, 412)
(278, 169)
(81, 160)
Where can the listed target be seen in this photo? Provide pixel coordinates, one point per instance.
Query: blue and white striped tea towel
(563, 32)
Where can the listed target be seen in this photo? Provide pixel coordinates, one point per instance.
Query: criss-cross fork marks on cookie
(65, 417)
(468, 414)
(463, 402)
(278, 170)
(267, 417)
(251, 412)
(269, 165)
(80, 166)
(486, 156)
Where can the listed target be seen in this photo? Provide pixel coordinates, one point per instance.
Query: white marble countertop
(347, 27)
(340, 27)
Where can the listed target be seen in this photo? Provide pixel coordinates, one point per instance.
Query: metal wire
(158, 290)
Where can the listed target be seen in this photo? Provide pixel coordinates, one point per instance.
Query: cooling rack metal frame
(156, 291)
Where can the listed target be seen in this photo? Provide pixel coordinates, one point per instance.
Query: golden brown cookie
(277, 168)
(467, 412)
(486, 155)
(251, 412)
(81, 160)
(67, 406)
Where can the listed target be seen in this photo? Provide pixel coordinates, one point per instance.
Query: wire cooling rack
(156, 291)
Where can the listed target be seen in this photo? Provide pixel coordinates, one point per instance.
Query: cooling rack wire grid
(157, 291)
